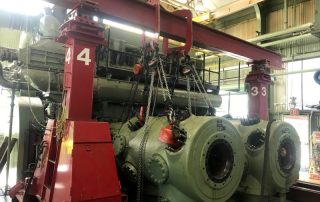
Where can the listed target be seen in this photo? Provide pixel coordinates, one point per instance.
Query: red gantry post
(86, 169)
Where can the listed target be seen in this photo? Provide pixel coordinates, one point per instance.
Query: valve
(173, 136)
(137, 69)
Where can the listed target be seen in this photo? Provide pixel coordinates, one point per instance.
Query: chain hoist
(189, 97)
(150, 61)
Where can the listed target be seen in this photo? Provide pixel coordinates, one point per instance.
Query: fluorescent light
(123, 26)
(95, 18)
(151, 34)
(24, 7)
(209, 90)
(63, 168)
(129, 28)
(199, 7)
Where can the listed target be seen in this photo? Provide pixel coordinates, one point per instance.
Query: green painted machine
(273, 159)
(216, 155)
(208, 166)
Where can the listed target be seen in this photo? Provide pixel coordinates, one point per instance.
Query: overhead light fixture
(30, 7)
(122, 26)
(95, 18)
(129, 28)
(151, 34)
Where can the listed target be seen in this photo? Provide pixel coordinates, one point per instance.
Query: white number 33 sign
(255, 91)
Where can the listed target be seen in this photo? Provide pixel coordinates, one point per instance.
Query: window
(311, 90)
(300, 82)
(234, 104)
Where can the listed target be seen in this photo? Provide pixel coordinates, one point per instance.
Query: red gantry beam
(172, 26)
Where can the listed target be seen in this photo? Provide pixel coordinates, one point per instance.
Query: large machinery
(208, 166)
(273, 159)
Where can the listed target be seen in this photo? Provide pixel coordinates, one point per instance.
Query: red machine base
(86, 168)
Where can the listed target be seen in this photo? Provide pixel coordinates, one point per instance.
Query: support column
(258, 81)
(85, 167)
(81, 36)
(77, 161)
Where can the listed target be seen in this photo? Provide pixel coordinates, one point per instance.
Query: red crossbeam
(174, 27)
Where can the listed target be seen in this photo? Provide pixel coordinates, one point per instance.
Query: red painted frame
(173, 26)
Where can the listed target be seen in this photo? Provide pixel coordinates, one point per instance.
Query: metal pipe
(295, 12)
(219, 68)
(258, 17)
(295, 72)
(239, 74)
(281, 33)
(301, 77)
(13, 91)
(303, 56)
(204, 68)
(273, 43)
(285, 14)
(229, 102)
(104, 90)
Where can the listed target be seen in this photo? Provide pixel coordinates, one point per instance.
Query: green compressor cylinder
(273, 159)
(206, 166)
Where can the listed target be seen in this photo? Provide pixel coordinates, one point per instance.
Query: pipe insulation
(118, 90)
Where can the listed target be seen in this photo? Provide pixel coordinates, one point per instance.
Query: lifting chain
(143, 143)
(161, 85)
(189, 97)
(165, 79)
(204, 90)
(200, 91)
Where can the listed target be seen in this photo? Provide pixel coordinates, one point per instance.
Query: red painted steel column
(79, 65)
(85, 167)
(258, 81)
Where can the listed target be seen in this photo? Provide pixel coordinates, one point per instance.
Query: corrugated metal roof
(206, 5)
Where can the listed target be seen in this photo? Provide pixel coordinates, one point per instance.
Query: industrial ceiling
(208, 10)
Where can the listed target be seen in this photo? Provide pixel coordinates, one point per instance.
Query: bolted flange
(157, 168)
